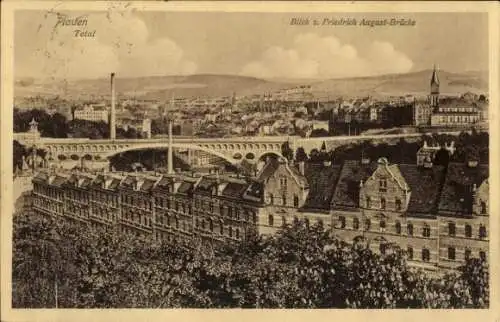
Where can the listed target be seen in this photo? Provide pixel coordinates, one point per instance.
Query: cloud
(312, 56)
(121, 44)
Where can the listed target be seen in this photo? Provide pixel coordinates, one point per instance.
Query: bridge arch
(162, 145)
(260, 156)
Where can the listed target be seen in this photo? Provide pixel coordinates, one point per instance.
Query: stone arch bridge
(233, 150)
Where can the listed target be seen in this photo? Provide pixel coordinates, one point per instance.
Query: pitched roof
(268, 170)
(185, 187)
(347, 190)
(322, 181)
(456, 196)
(147, 184)
(58, 181)
(41, 177)
(205, 185)
(254, 192)
(425, 185)
(234, 190)
(164, 182)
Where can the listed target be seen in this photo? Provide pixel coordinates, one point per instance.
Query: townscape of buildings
(291, 111)
(439, 214)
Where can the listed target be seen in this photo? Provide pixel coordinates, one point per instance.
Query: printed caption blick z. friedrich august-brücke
(307, 21)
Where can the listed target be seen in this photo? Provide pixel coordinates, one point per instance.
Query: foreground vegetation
(56, 263)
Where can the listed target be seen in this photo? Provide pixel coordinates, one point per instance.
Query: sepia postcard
(159, 158)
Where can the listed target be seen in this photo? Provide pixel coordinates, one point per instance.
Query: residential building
(95, 113)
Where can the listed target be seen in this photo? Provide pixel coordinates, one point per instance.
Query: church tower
(434, 97)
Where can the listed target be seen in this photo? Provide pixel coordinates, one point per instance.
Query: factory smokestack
(170, 156)
(112, 116)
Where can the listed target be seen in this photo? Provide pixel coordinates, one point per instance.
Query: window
(398, 227)
(197, 223)
(176, 223)
(355, 223)
(283, 221)
(284, 199)
(368, 202)
(254, 215)
(271, 198)
(237, 233)
(483, 208)
(451, 229)
(203, 224)
(482, 255)
(342, 222)
(296, 201)
(382, 203)
(467, 254)
(382, 225)
(426, 256)
(409, 251)
(320, 223)
(409, 229)
(230, 231)
(482, 231)
(221, 228)
(271, 220)
(451, 253)
(306, 221)
(283, 183)
(398, 205)
(468, 231)
(368, 223)
(426, 230)
(383, 185)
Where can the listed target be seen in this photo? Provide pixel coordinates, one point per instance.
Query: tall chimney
(170, 159)
(170, 156)
(112, 118)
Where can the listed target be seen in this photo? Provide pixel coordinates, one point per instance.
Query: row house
(285, 190)
(173, 208)
(438, 215)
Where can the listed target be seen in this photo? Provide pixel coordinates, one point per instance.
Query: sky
(263, 45)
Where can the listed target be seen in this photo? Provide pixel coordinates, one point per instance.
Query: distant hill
(415, 83)
(163, 87)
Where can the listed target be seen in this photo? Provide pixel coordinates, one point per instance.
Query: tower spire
(434, 78)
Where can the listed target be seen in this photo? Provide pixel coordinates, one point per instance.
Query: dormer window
(382, 185)
(283, 183)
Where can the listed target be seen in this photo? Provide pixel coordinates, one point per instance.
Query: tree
(442, 157)
(19, 151)
(301, 155)
(287, 151)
